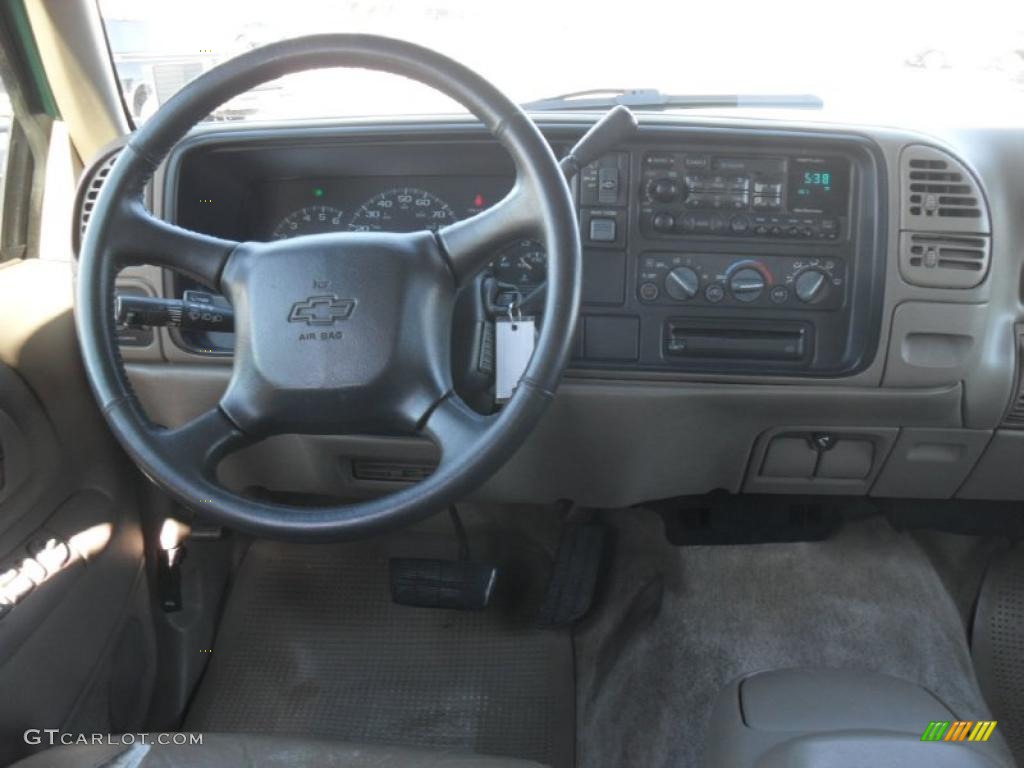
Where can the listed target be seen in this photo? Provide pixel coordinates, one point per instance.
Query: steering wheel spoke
(141, 238)
(469, 244)
(203, 442)
(455, 427)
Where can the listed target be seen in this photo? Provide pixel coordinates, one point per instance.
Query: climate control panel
(718, 279)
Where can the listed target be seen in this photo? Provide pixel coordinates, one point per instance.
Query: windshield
(880, 55)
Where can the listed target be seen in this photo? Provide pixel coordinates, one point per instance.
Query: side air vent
(89, 191)
(943, 261)
(939, 194)
(1015, 416)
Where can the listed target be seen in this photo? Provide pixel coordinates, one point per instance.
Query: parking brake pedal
(454, 584)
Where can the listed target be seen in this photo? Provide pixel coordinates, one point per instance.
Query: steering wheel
(338, 333)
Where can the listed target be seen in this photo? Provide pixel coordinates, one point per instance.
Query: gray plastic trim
(930, 463)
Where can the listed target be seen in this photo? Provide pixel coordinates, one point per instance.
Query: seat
(816, 718)
(254, 751)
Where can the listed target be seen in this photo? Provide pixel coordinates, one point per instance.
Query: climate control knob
(663, 190)
(682, 283)
(747, 284)
(811, 286)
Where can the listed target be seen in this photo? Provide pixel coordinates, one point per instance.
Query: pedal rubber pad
(574, 577)
(456, 584)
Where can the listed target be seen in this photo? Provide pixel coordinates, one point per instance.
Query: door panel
(77, 645)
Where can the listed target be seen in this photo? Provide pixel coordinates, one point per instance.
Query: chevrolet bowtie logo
(321, 310)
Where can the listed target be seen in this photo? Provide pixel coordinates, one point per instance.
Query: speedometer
(309, 221)
(406, 209)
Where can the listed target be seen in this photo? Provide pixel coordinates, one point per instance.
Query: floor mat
(311, 643)
(679, 623)
(998, 645)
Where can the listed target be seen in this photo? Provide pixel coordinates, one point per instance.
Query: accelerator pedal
(574, 578)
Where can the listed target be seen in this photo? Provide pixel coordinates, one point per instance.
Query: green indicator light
(318, 191)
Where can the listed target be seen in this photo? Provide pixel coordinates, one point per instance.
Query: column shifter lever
(617, 126)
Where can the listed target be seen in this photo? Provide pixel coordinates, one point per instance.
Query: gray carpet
(678, 623)
(311, 644)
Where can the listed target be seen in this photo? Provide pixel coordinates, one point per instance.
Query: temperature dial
(812, 286)
(747, 284)
(682, 283)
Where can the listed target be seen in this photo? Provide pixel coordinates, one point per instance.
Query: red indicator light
(478, 201)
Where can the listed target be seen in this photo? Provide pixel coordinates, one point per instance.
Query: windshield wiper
(653, 99)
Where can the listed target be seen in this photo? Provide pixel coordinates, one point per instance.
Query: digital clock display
(818, 185)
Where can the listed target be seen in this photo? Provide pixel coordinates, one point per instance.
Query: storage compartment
(826, 460)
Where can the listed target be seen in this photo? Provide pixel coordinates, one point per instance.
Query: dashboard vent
(89, 191)
(940, 194)
(1014, 418)
(943, 261)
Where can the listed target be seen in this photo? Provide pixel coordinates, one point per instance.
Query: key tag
(514, 339)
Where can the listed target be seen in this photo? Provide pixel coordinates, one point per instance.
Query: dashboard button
(779, 294)
(602, 230)
(739, 224)
(649, 291)
(714, 293)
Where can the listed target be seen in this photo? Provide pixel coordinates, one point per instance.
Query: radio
(797, 282)
(779, 197)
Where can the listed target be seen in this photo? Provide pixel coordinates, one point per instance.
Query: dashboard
(702, 254)
(749, 286)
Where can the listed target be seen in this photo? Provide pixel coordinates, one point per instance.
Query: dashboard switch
(603, 230)
(608, 186)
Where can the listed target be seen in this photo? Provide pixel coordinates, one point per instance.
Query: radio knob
(663, 190)
(746, 284)
(682, 283)
(663, 222)
(811, 286)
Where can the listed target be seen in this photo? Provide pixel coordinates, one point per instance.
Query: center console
(719, 253)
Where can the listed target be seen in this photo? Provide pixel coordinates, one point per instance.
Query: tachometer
(406, 209)
(523, 264)
(310, 221)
